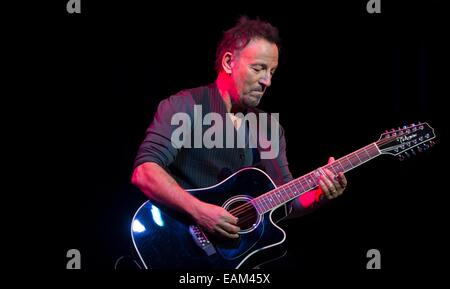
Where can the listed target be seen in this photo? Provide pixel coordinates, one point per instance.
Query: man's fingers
(232, 229)
(231, 219)
(334, 179)
(332, 184)
(342, 180)
(327, 180)
(325, 189)
(224, 233)
(331, 176)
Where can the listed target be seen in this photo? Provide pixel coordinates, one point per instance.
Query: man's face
(252, 71)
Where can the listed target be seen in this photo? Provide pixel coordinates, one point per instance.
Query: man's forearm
(159, 186)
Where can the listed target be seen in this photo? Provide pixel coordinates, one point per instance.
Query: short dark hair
(236, 38)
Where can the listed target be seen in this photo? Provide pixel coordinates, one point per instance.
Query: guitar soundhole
(246, 212)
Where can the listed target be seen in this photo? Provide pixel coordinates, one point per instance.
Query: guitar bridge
(201, 240)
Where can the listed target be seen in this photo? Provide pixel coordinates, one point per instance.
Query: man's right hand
(216, 220)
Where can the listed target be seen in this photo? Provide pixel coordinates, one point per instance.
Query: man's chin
(252, 101)
(252, 104)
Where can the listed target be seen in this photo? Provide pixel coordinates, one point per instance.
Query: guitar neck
(310, 181)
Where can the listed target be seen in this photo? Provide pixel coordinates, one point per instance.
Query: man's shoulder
(258, 111)
(270, 116)
(191, 95)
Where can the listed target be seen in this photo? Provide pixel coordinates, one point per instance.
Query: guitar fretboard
(310, 181)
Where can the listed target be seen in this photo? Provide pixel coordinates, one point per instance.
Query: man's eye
(257, 69)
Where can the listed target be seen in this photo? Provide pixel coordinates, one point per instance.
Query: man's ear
(227, 62)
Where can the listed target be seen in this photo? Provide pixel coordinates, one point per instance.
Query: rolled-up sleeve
(157, 146)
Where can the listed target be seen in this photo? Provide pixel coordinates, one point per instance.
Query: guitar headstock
(407, 141)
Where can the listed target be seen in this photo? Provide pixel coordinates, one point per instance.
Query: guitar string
(242, 209)
(287, 185)
(247, 206)
(247, 218)
(239, 209)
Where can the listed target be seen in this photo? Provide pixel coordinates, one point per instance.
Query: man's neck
(226, 90)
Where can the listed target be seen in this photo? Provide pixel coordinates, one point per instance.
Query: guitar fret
(372, 151)
(363, 156)
(310, 181)
(296, 189)
(257, 205)
(280, 197)
(288, 190)
(355, 160)
(264, 202)
(357, 157)
(270, 199)
(356, 163)
(277, 195)
(368, 154)
(331, 168)
(340, 167)
(301, 184)
(347, 168)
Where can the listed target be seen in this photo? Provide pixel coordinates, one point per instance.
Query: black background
(345, 76)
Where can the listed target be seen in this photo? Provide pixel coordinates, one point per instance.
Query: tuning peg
(393, 133)
(420, 149)
(413, 151)
(432, 143)
(401, 157)
(425, 146)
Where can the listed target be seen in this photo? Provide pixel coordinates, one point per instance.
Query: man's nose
(266, 80)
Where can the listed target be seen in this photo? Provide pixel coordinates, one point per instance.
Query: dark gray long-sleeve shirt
(203, 167)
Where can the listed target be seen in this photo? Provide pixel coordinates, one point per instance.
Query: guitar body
(163, 238)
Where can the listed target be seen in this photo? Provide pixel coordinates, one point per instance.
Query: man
(246, 60)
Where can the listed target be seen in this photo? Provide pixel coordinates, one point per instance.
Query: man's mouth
(256, 93)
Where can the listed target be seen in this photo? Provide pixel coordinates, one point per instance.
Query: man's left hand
(332, 185)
